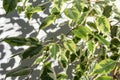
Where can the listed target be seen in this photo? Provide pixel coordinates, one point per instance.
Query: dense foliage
(91, 47)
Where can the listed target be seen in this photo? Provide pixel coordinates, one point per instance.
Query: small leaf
(32, 51)
(54, 50)
(102, 40)
(55, 11)
(103, 25)
(30, 10)
(82, 32)
(71, 13)
(61, 76)
(104, 66)
(9, 5)
(70, 45)
(19, 71)
(48, 21)
(104, 78)
(91, 47)
(107, 11)
(47, 73)
(115, 42)
(19, 41)
(72, 57)
(92, 25)
(114, 30)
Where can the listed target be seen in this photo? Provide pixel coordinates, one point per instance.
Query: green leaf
(63, 60)
(104, 66)
(114, 30)
(9, 5)
(30, 10)
(92, 25)
(71, 13)
(20, 9)
(115, 42)
(32, 51)
(48, 21)
(61, 76)
(54, 50)
(20, 41)
(107, 11)
(104, 78)
(79, 5)
(55, 11)
(102, 40)
(73, 57)
(91, 47)
(82, 32)
(58, 3)
(70, 45)
(103, 25)
(19, 71)
(47, 72)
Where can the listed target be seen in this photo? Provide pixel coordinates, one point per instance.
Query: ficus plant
(91, 47)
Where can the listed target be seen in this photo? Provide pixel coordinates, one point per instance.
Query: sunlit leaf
(54, 50)
(48, 21)
(71, 13)
(103, 25)
(104, 78)
(91, 46)
(104, 66)
(70, 45)
(82, 32)
(19, 71)
(61, 76)
(9, 5)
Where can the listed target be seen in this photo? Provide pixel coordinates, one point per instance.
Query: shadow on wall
(24, 29)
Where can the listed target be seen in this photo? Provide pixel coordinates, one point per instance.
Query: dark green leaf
(114, 30)
(32, 51)
(104, 78)
(72, 57)
(19, 41)
(19, 71)
(115, 42)
(107, 11)
(92, 25)
(9, 5)
(47, 73)
(54, 50)
(48, 21)
(102, 40)
(103, 25)
(104, 66)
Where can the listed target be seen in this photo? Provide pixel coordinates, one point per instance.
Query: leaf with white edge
(104, 66)
(103, 25)
(71, 13)
(102, 40)
(9, 5)
(91, 47)
(82, 32)
(70, 45)
(104, 78)
(54, 50)
(19, 71)
(48, 21)
(32, 51)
